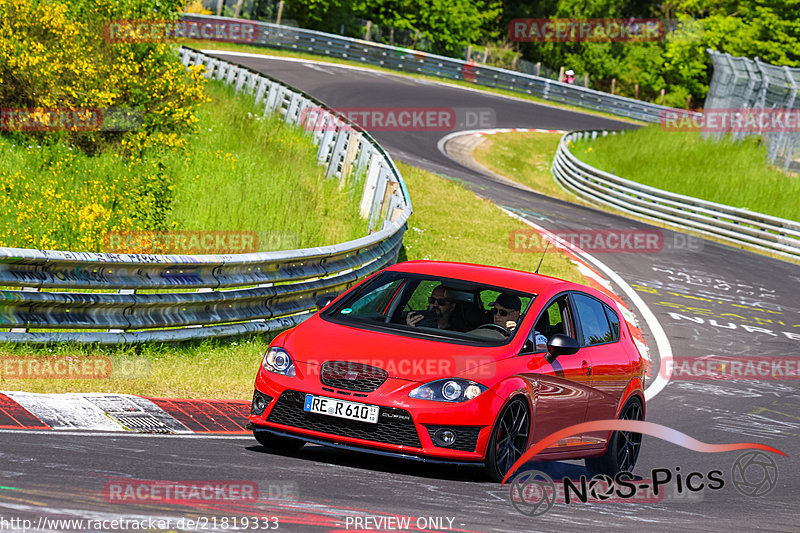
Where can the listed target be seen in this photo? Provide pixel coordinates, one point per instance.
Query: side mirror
(323, 301)
(561, 344)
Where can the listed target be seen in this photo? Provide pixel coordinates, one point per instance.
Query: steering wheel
(495, 327)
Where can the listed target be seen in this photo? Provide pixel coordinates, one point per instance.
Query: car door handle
(587, 369)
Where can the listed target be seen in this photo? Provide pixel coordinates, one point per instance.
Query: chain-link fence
(769, 93)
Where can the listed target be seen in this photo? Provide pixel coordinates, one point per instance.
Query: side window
(552, 320)
(372, 304)
(614, 320)
(419, 299)
(593, 320)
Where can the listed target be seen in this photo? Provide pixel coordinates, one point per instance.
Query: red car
(453, 362)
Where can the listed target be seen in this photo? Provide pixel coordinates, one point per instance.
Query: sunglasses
(501, 312)
(437, 301)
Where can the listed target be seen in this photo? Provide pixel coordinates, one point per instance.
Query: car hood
(404, 357)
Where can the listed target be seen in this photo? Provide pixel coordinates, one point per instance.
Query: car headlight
(448, 390)
(279, 361)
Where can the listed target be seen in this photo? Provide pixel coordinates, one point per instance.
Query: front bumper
(405, 427)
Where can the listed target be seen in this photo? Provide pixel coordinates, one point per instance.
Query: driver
(439, 304)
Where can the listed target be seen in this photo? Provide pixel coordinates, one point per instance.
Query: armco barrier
(732, 224)
(407, 60)
(207, 296)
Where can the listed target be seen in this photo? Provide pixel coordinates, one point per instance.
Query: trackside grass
(207, 370)
(525, 157)
(239, 172)
(728, 172)
(249, 173)
(449, 223)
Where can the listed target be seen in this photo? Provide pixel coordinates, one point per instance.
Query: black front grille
(466, 437)
(352, 376)
(394, 426)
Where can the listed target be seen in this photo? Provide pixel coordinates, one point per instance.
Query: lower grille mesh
(394, 426)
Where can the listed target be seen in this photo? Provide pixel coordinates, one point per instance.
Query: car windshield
(443, 309)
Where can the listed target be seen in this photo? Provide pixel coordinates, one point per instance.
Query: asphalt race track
(709, 299)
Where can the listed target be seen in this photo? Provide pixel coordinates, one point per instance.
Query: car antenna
(542, 259)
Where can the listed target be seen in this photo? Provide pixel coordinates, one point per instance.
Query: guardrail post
(222, 70)
(325, 121)
(241, 78)
(263, 85)
(211, 65)
(370, 185)
(353, 142)
(364, 151)
(389, 192)
(291, 111)
(337, 153)
(326, 144)
(232, 73)
(377, 200)
(251, 83)
(309, 120)
(275, 90)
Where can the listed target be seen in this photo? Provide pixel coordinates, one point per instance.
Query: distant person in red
(569, 77)
(468, 71)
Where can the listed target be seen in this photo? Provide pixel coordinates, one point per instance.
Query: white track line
(444, 140)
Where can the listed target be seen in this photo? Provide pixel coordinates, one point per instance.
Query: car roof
(490, 275)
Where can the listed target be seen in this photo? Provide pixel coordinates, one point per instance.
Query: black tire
(623, 448)
(509, 439)
(274, 442)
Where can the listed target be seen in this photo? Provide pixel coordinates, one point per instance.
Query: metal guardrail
(750, 84)
(408, 60)
(733, 224)
(197, 297)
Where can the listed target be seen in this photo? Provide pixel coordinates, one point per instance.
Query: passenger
(506, 311)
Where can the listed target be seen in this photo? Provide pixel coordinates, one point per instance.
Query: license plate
(341, 408)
